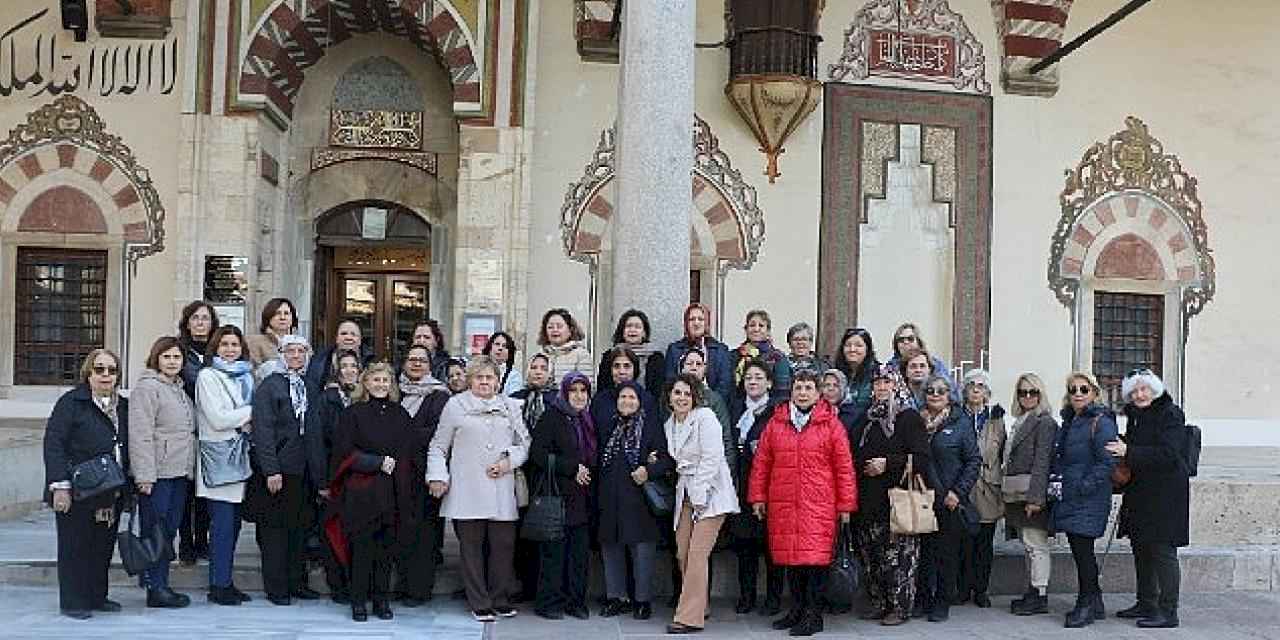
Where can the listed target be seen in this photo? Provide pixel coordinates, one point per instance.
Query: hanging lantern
(773, 64)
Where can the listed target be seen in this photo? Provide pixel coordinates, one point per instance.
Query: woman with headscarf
(373, 488)
(633, 332)
(276, 497)
(502, 348)
(623, 365)
(535, 397)
(567, 432)
(697, 335)
(633, 450)
(894, 433)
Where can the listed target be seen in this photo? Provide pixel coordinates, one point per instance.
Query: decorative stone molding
(69, 134)
(1029, 30)
(720, 196)
(922, 40)
(296, 33)
(1129, 185)
(422, 160)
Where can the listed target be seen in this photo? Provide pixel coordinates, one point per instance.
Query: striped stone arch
(721, 199)
(68, 136)
(1030, 30)
(1131, 234)
(294, 35)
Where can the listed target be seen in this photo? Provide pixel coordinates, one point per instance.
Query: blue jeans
(224, 531)
(165, 505)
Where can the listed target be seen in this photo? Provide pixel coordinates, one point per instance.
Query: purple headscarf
(581, 420)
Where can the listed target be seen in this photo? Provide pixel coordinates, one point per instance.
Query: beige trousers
(694, 543)
(1039, 557)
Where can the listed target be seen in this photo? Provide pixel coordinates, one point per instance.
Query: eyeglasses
(901, 339)
(419, 360)
(1028, 393)
(980, 385)
(1082, 390)
(935, 391)
(104, 370)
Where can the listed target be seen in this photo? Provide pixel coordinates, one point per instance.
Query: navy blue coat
(1081, 457)
(719, 364)
(956, 461)
(78, 431)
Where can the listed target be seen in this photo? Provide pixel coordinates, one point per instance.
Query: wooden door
(387, 306)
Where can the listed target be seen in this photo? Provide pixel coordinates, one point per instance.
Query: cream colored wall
(1197, 78)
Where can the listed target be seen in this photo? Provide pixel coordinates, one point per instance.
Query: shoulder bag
(660, 496)
(544, 521)
(96, 476)
(1121, 473)
(911, 505)
(146, 548)
(224, 462)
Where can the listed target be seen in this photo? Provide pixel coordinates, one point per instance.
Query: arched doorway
(373, 263)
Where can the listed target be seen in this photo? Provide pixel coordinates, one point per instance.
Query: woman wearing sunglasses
(1028, 452)
(1080, 487)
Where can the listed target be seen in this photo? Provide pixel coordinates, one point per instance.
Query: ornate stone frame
(933, 17)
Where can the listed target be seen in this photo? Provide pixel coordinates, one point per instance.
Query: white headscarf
(297, 384)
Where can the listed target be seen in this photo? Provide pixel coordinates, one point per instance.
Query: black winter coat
(909, 438)
(653, 380)
(322, 425)
(1156, 502)
(556, 435)
(78, 431)
(745, 525)
(956, 461)
(320, 368)
(624, 515)
(278, 445)
(193, 360)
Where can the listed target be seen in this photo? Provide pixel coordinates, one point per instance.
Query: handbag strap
(906, 473)
(549, 478)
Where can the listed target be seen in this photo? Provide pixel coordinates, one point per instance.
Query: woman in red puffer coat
(802, 477)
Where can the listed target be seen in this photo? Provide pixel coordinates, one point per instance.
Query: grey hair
(1142, 376)
(976, 376)
(799, 327)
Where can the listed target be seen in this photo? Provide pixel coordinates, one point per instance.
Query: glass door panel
(409, 307)
(360, 304)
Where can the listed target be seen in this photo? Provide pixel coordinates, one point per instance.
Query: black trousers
(193, 532)
(806, 581)
(526, 564)
(371, 566)
(1086, 563)
(416, 566)
(1158, 575)
(979, 552)
(562, 573)
(940, 560)
(283, 545)
(749, 554)
(84, 555)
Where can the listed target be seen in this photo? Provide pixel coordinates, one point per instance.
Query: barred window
(1128, 333)
(61, 313)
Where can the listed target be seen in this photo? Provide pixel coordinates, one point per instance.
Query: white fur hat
(1142, 376)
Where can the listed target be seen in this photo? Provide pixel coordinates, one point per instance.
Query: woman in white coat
(704, 496)
(224, 395)
(479, 444)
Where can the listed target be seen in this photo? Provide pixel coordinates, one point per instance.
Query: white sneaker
(506, 612)
(484, 615)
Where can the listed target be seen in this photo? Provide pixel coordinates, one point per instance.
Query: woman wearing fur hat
(1155, 510)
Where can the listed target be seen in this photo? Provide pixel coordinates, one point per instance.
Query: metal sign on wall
(226, 287)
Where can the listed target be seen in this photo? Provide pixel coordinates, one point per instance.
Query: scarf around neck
(240, 372)
(583, 426)
(412, 393)
(933, 422)
(799, 417)
(626, 436)
(748, 418)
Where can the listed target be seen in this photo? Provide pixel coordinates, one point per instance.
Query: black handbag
(660, 495)
(225, 462)
(142, 550)
(844, 575)
(544, 520)
(96, 476)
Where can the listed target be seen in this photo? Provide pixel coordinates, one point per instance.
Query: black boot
(1082, 615)
(223, 596)
(940, 612)
(1163, 619)
(359, 613)
(166, 598)
(792, 619)
(382, 609)
(745, 604)
(1138, 611)
(810, 623)
(1098, 609)
(1033, 605)
(1017, 603)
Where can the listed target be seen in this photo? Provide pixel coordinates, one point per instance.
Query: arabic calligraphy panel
(375, 129)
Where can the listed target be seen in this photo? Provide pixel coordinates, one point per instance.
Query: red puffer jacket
(806, 479)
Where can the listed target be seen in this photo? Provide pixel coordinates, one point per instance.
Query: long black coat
(909, 438)
(1156, 501)
(624, 515)
(78, 431)
(193, 360)
(556, 435)
(278, 445)
(745, 525)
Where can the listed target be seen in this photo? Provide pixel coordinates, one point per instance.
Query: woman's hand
(438, 488)
(324, 493)
(640, 475)
(145, 487)
(653, 457)
(388, 465)
(845, 517)
(498, 469)
(875, 466)
(1032, 509)
(1117, 448)
(951, 501)
(62, 500)
(759, 510)
(275, 483)
(583, 476)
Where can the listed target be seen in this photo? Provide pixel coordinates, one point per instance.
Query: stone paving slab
(32, 613)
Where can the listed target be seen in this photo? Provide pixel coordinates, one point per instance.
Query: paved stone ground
(32, 613)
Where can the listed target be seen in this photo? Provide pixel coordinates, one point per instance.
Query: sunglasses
(104, 370)
(901, 339)
(1028, 393)
(980, 385)
(1082, 390)
(935, 391)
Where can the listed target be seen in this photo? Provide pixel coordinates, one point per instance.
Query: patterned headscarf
(580, 419)
(297, 383)
(626, 436)
(883, 412)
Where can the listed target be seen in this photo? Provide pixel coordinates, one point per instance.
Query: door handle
(386, 353)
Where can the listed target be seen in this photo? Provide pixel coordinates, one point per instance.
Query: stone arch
(720, 198)
(68, 137)
(63, 209)
(1144, 226)
(294, 35)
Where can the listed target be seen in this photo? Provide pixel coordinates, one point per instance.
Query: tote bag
(544, 521)
(911, 505)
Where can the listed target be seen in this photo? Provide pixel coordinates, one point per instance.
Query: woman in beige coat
(279, 319)
(704, 496)
(162, 452)
(988, 423)
(479, 444)
(561, 341)
(224, 406)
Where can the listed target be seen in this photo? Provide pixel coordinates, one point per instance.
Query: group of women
(691, 448)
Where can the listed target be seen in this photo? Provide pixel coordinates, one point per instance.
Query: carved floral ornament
(736, 220)
(69, 120)
(915, 40)
(1133, 162)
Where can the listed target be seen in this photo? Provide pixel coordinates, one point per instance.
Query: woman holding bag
(224, 406)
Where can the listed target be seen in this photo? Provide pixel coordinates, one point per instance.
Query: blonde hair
(86, 368)
(480, 363)
(361, 392)
(1033, 381)
(1081, 375)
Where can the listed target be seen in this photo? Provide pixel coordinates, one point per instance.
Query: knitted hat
(1142, 376)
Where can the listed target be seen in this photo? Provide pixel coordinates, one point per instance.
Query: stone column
(654, 163)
